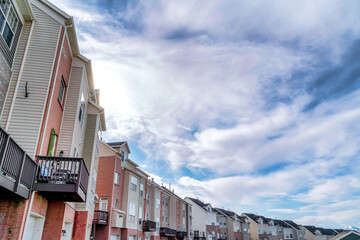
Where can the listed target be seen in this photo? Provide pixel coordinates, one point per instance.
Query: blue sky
(250, 105)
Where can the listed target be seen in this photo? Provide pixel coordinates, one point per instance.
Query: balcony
(167, 232)
(149, 226)
(181, 235)
(17, 169)
(61, 178)
(100, 217)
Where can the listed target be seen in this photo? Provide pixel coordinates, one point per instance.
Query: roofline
(110, 148)
(348, 233)
(29, 8)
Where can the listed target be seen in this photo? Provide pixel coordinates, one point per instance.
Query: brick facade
(80, 225)
(12, 216)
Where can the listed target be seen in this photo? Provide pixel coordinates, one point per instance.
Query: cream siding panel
(19, 56)
(28, 112)
(79, 136)
(89, 158)
(70, 110)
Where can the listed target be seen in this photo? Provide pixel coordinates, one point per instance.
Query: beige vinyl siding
(172, 212)
(70, 110)
(27, 115)
(89, 157)
(19, 56)
(79, 133)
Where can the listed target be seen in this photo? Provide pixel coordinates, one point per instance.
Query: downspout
(20, 75)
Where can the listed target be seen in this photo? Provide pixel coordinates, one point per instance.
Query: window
(291, 236)
(123, 156)
(82, 110)
(133, 183)
(141, 190)
(116, 203)
(8, 21)
(116, 178)
(157, 203)
(140, 213)
(62, 91)
(132, 212)
(103, 203)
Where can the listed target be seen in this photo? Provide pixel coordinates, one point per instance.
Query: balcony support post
(3, 150)
(20, 173)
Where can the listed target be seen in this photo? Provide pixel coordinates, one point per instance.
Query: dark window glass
(8, 35)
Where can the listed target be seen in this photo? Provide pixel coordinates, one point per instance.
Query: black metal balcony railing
(181, 234)
(100, 217)
(17, 169)
(61, 178)
(149, 226)
(167, 232)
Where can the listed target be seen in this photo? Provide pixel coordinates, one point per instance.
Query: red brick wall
(155, 238)
(69, 213)
(119, 188)
(237, 235)
(39, 205)
(54, 221)
(56, 109)
(80, 225)
(263, 236)
(12, 215)
(210, 229)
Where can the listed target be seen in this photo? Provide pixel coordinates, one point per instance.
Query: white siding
(70, 110)
(28, 112)
(19, 56)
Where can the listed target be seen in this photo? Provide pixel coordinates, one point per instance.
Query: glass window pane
(5, 5)
(8, 35)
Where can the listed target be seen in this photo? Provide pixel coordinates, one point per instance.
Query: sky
(249, 105)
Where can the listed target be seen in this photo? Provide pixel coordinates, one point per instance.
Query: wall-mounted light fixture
(64, 233)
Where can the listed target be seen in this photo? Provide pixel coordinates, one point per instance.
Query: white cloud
(205, 103)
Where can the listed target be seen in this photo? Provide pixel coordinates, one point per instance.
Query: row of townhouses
(59, 180)
(213, 223)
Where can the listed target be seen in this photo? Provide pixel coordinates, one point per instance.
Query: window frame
(62, 90)
(116, 178)
(6, 21)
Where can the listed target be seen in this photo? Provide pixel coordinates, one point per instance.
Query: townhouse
(221, 220)
(51, 124)
(198, 219)
(317, 233)
(133, 206)
(238, 227)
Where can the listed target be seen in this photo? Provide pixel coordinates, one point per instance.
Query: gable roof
(119, 144)
(292, 224)
(198, 202)
(344, 234)
(323, 231)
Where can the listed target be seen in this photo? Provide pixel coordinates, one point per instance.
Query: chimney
(173, 190)
(170, 186)
(152, 179)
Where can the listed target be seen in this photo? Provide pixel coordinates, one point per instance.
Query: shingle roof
(280, 223)
(198, 202)
(292, 224)
(116, 143)
(323, 231)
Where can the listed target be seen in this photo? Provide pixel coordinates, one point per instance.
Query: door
(68, 230)
(29, 232)
(114, 237)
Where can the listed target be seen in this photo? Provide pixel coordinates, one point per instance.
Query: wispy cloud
(251, 105)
